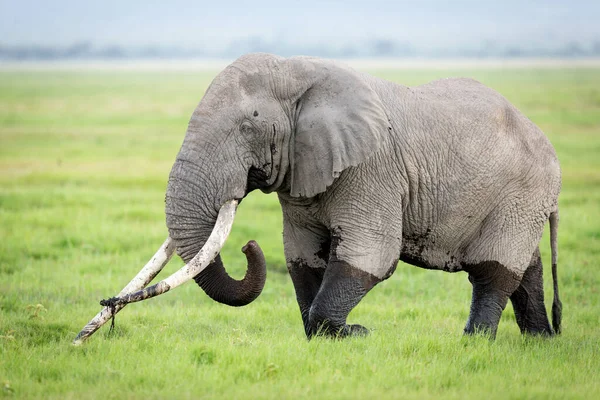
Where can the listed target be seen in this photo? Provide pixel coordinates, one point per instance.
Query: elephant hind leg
(493, 284)
(528, 300)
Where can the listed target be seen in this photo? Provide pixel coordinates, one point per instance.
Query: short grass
(84, 160)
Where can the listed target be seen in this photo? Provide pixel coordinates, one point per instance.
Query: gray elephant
(447, 175)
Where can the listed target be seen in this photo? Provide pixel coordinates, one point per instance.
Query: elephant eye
(247, 129)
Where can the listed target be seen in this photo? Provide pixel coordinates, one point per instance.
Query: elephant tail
(556, 303)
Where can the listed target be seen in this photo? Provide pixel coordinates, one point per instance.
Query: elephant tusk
(207, 253)
(145, 276)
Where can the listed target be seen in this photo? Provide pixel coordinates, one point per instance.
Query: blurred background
(185, 29)
(95, 99)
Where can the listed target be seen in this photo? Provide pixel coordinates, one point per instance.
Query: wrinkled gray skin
(447, 175)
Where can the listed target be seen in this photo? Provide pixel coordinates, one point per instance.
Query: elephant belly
(421, 251)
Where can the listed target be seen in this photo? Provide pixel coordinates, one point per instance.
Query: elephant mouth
(257, 179)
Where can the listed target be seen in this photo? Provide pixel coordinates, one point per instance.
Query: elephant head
(267, 123)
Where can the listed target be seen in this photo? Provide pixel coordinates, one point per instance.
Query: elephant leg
(306, 246)
(528, 300)
(356, 250)
(365, 247)
(493, 284)
(342, 289)
(307, 281)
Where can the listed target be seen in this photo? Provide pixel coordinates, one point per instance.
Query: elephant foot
(358, 330)
(543, 333)
(481, 329)
(327, 330)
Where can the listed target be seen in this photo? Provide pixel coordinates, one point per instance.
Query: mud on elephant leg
(306, 245)
(528, 300)
(492, 283)
(307, 281)
(342, 289)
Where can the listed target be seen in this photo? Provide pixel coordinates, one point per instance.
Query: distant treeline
(380, 48)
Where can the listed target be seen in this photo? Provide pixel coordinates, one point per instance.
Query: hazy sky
(190, 24)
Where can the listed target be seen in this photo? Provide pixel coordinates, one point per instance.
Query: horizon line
(211, 64)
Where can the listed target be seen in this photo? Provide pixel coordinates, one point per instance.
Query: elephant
(446, 176)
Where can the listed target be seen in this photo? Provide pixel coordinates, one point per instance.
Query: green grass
(84, 160)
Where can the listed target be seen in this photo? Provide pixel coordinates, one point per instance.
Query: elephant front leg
(307, 281)
(306, 245)
(359, 259)
(342, 289)
(334, 267)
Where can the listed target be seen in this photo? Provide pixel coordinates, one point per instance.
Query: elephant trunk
(220, 287)
(194, 195)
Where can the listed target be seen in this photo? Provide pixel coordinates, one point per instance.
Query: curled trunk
(221, 287)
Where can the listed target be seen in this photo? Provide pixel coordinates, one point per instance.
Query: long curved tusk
(207, 253)
(145, 276)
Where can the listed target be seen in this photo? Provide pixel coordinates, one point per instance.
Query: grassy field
(84, 160)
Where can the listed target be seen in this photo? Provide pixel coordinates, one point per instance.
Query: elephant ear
(340, 122)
